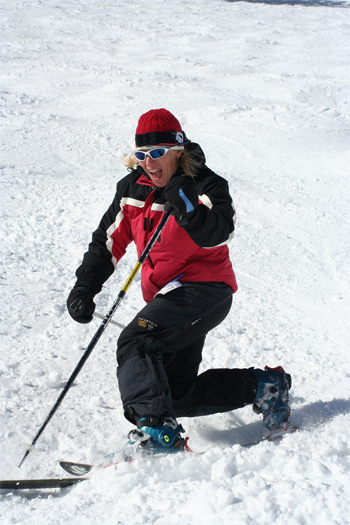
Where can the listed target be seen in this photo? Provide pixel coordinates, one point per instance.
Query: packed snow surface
(263, 86)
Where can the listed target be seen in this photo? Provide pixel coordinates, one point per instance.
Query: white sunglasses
(155, 153)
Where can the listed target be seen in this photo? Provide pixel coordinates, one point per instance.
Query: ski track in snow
(264, 88)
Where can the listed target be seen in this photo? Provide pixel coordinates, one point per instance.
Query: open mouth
(156, 174)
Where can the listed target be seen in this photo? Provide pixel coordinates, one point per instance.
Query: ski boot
(272, 400)
(155, 435)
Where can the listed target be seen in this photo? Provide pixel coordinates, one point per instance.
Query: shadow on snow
(306, 3)
(306, 418)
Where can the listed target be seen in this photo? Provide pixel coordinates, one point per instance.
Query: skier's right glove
(81, 304)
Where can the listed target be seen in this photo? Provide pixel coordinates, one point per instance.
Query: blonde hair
(188, 163)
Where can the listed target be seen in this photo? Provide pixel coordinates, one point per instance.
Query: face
(161, 170)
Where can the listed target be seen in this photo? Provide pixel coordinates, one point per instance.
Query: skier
(187, 283)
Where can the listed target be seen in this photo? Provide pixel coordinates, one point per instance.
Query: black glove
(182, 197)
(80, 304)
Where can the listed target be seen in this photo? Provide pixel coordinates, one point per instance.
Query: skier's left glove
(182, 197)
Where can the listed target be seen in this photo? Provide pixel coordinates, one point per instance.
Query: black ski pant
(160, 351)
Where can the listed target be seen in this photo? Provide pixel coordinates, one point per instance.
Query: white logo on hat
(179, 137)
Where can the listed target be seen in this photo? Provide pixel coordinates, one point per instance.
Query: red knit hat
(158, 126)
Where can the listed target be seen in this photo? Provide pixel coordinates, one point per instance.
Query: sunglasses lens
(157, 153)
(140, 155)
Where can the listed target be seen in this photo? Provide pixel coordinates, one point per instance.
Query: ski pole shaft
(101, 329)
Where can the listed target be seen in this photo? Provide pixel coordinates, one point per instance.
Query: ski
(30, 484)
(115, 459)
(81, 469)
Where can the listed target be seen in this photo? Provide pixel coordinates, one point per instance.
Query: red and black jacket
(197, 250)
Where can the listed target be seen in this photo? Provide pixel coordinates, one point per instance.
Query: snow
(264, 88)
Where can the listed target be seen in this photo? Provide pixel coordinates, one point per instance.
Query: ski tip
(76, 469)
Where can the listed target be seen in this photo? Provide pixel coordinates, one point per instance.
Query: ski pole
(101, 329)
